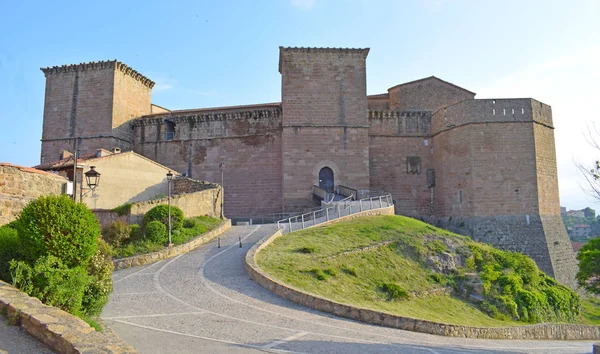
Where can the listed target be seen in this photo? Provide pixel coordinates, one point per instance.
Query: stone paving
(15, 340)
(204, 301)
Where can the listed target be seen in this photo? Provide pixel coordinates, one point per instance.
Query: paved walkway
(15, 340)
(205, 302)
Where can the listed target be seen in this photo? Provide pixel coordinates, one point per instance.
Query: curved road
(204, 302)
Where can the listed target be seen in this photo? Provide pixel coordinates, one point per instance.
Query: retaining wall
(541, 331)
(172, 251)
(61, 331)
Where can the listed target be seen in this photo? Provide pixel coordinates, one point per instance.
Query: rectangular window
(413, 165)
(170, 130)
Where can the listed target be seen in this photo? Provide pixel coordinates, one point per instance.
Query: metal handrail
(339, 210)
(347, 191)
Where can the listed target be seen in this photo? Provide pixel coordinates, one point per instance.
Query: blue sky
(213, 53)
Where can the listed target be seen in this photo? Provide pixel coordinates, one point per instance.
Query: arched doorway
(326, 179)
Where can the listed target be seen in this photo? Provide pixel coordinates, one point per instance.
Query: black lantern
(169, 176)
(92, 177)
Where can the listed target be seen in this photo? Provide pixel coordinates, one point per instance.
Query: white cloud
(569, 84)
(303, 4)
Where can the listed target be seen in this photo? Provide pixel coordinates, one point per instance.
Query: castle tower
(325, 127)
(91, 102)
(497, 181)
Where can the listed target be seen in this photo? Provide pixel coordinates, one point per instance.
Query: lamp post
(92, 178)
(222, 167)
(169, 178)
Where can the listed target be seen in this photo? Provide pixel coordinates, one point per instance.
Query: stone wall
(92, 101)
(324, 120)
(428, 94)
(20, 185)
(247, 141)
(532, 332)
(59, 330)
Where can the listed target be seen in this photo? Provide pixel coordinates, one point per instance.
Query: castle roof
(324, 50)
(431, 78)
(381, 95)
(97, 65)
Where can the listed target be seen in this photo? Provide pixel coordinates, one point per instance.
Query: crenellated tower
(92, 102)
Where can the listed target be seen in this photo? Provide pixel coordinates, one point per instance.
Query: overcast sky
(214, 53)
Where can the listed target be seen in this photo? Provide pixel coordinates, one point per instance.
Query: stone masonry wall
(20, 185)
(246, 140)
(428, 94)
(324, 120)
(131, 100)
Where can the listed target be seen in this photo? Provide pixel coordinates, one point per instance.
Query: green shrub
(51, 281)
(156, 232)
(135, 233)
(190, 223)
(122, 210)
(161, 213)
(331, 271)
(307, 249)
(117, 233)
(9, 249)
(394, 291)
(350, 271)
(97, 290)
(319, 274)
(58, 226)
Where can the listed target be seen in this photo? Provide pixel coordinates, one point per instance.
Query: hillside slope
(406, 267)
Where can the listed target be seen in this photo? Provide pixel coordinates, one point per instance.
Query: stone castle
(485, 167)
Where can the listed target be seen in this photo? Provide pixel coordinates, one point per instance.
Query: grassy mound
(406, 267)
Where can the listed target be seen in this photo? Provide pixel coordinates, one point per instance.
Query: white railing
(338, 210)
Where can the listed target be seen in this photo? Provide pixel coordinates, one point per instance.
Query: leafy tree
(589, 213)
(588, 276)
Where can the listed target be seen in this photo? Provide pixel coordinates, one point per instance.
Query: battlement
(210, 115)
(363, 51)
(399, 123)
(99, 65)
(492, 111)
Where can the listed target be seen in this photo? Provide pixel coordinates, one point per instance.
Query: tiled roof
(381, 95)
(29, 169)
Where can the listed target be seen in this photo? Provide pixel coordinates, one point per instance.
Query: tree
(589, 213)
(592, 173)
(588, 276)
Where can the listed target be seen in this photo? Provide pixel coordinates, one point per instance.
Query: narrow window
(42, 160)
(460, 196)
(170, 131)
(413, 165)
(430, 178)
(494, 111)
(522, 110)
(513, 111)
(493, 101)
(504, 111)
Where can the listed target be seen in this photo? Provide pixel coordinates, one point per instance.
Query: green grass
(332, 262)
(192, 227)
(591, 310)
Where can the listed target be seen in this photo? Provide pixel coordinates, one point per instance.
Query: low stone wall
(205, 202)
(61, 331)
(19, 185)
(173, 250)
(541, 331)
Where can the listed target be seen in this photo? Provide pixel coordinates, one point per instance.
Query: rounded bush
(156, 232)
(161, 213)
(9, 250)
(135, 233)
(117, 233)
(57, 226)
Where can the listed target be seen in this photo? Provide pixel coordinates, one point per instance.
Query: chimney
(116, 150)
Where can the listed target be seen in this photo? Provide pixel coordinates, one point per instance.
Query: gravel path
(204, 301)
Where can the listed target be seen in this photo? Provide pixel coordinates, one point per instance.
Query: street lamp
(169, 178)
(222, 167)
(92, 178)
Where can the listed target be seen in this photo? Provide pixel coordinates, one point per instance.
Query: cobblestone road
(204, 302)
(15, 340)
